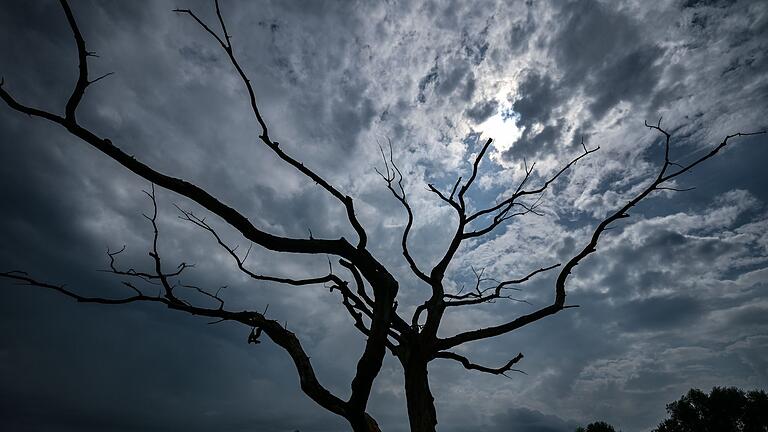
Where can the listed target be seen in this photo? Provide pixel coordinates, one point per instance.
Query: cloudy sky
(675, 298)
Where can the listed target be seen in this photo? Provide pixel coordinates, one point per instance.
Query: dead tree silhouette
(371, 297)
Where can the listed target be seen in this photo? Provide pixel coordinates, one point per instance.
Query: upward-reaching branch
(591, 247)
(506, 204)
(393, 176)
(226, 44)
(484, 295)
(472, 176)
(82, 64)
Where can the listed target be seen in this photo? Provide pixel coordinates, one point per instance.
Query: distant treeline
(723, 409)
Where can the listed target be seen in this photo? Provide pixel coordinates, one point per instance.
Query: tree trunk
(421, 405)
(363, 423)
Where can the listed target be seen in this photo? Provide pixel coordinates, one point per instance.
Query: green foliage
(599, 426)
(725, 409)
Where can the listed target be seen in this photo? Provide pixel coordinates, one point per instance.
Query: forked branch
(591, 247)
(226, 44)
(393, 177)
(472, 176)
(357, 304)
(488, 294)
(505, 205)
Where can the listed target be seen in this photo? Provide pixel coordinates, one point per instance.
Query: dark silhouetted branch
(274, 145)
(201, 222)
(590, 248)
(507, 204)
(392, 176)
(276, 332)
(482, 295)
(502, 370)
(472, 176)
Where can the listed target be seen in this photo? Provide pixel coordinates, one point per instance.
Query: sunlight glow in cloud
(502, 127)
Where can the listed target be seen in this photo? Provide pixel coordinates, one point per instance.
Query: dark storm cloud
(102, 384)
(751, 315)
(480, 112)
(199, 54)
(520, 32)
(449, 81)
(475, 46)
(658, 247)
(428, 80)
(593, 45)
(601, 54)
(658, 313)
(631, 77)
(534, 108)
(538, 97)
(445, 79)
(591, 34)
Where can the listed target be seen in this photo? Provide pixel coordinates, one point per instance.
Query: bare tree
(370, 297)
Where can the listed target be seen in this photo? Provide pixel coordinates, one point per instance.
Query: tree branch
(338, 247)
(201, 222)
(370, 362)
(502, 370)
(82, 60)
(519, 192)
(480, 296)
(359, 283)
(356, 304)
(389, 177)
(276, 332)
(559, 301)
(472, 177)
(274, 145)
